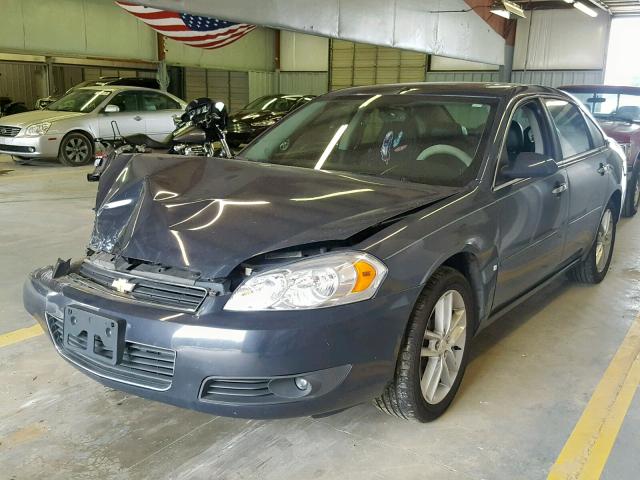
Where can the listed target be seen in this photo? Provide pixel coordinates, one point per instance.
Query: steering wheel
(443, 149)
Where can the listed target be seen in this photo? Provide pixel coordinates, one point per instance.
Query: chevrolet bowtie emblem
(122, 285)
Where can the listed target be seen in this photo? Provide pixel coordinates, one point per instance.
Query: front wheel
(594, 267)
(76, 149)
(435, 352)
(632, 201)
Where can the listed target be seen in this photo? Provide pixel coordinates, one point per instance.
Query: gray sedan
(66, 128)
(351, 253)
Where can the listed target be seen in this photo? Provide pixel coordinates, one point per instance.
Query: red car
(617, 109)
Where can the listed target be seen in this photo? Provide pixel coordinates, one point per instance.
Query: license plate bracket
(94, 336)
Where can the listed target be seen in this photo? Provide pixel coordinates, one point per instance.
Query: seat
(515, 140)
(142, 139)
(629, 112)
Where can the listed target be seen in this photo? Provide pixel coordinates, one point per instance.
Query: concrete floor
(531, 376)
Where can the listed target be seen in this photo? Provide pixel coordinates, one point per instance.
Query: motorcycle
(9, 107)
(200, 131)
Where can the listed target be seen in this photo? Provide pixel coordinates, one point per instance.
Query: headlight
(264, 123)
(317, 282)
(37, 129)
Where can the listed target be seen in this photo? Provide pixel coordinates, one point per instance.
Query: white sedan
(67, 128)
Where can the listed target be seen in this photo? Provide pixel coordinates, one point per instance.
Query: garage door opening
(622, 69)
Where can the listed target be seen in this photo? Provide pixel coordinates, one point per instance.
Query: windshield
(80, 101)
(411, 138)
(612, 105)
(271, 103)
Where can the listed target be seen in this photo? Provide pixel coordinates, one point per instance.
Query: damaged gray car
(349, 254)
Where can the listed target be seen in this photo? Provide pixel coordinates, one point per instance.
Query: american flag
(194, 30)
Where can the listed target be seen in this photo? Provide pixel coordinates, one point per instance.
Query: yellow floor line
(20, 335)
(586, 452)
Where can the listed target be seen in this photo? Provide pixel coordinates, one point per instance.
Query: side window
(525, 133)
(152, 101)
(570, 127)
(596, 135)
(126, 101)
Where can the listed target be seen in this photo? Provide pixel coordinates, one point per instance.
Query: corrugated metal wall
(230, 87)
(22, 82)
(354, 64)
(302, 83)
(475, 76)
(556, 78)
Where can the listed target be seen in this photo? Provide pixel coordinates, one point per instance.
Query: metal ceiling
(623, 7)
(613, 7)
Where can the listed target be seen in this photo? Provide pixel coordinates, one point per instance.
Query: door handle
(604, 168)
(137, 118)
(560, 187)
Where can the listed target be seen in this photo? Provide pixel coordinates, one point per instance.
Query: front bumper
(45, 146)
(347, 353)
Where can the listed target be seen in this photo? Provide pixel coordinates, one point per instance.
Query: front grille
(15, 148)
(142, 365)
(233, 390)
(6, 131)
(168, 295)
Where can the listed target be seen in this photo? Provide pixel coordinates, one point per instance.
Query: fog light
(32, 149)
(302, 383)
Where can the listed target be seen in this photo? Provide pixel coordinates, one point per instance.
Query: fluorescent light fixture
(569, 1)
(584, 9)
(506, 8)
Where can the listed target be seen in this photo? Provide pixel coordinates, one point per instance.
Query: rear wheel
(632, 201)
(76, 149)
(594, 267)
(435, 351)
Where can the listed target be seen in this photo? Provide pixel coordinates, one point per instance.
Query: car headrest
(630, 112)
(515, 138)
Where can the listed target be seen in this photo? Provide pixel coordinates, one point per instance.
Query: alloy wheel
(603, 240)
(443, 347)
(76, 150)
(636, 193)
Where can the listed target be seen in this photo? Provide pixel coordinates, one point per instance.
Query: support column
(162, 75)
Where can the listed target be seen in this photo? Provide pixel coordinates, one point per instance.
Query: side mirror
(530, 164)
(111, 108)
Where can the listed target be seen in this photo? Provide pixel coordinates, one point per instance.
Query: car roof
(115, 88)
(489, 89)
(601, 89)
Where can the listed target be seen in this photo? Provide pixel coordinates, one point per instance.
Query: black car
(350, 253)
(261, 114)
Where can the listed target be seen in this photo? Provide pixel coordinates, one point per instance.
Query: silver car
(66, 129)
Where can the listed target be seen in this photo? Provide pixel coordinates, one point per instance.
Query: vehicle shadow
(519, 316)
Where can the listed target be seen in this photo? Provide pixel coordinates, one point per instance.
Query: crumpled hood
(619, 131)
(36, 116)
(209, 215)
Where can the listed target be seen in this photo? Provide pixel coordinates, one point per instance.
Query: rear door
(159, 111)
(127, 121)
(585, 158)
(532, 211)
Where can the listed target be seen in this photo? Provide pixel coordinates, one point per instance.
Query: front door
(127, 121)
(532, 211)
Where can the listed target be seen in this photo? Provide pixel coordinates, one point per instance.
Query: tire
(76, 149)
(632, 201)
(594, 267)
(419, 353)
